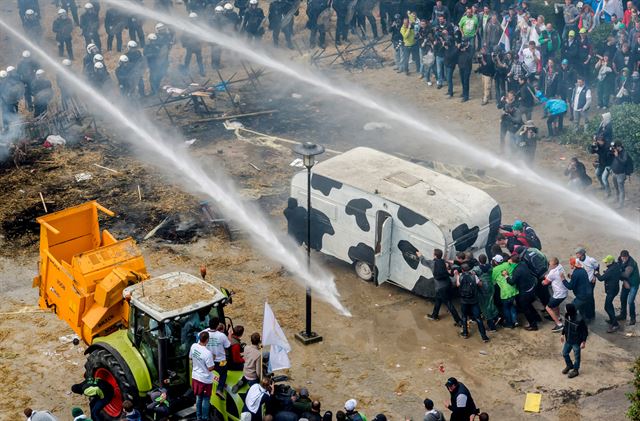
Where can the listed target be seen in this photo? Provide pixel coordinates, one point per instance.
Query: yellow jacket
(408, 35)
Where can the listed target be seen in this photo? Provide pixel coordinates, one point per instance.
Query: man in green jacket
(487, 306)
(508, 292)
(550, 43)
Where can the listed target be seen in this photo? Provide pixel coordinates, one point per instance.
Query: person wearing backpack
(526, 282)
(538, 265)
(486, 292)
(468, 285)
(621, 167)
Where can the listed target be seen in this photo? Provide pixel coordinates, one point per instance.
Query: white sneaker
(429, 83)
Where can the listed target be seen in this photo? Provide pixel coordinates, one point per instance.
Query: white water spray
(584, 205)
(232, 206)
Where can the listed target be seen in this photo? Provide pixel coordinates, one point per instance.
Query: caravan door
(384, 228)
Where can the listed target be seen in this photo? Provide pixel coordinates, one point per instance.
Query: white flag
(273, 335)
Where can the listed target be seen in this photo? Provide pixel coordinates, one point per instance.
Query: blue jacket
(579, 284)
(552, 106)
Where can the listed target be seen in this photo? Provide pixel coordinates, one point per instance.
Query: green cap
(608, 260)
(76, 412)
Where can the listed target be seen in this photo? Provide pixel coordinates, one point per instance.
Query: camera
(612, 147)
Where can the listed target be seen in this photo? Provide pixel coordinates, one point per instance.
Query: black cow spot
(425, 287)
(409, 253)
(409, 218)
(297, 224)
(361, 252)
(324, 184)
(464, 236)
(358, 208)
(495, 218)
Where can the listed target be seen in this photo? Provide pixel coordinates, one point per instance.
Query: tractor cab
(165, 316)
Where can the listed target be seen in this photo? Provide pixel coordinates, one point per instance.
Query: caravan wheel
(364, 271)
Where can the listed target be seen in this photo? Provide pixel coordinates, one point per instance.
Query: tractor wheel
(102, 364)
(364, 270)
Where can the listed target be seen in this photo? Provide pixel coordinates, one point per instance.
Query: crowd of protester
(518, 274)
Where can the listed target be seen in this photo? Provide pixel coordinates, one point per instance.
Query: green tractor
(165, 315)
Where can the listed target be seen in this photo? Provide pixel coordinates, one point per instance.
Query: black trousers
(61, 46)
(118, 37)
(525, 302)
(443, 296)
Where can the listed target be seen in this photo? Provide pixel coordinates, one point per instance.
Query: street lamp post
(308, 151)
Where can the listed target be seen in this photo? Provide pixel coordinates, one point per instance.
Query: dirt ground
(388, 356)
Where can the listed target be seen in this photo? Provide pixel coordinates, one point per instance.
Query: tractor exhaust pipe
(162, 355)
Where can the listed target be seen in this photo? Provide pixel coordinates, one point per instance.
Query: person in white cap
(28, 5)
(137, 67)
(63, 27)
(26, 69)
(351, 412)
(123, 75)
(193, 46)
(31, 25)
(42, 92)
(90, 24)
(252, 21)
(100, 77)
(155, 61)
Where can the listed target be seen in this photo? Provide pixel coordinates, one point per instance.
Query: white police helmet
(132, 44)
(97, 58)
(219, 9)
(29, 12)
(66, 62)
(10, 69)
(88, 6)
(26, 54)
(152, 37)
(228, 6)
(123, 59)
(39, 72)
(3, 74)
(253, 1)
(90, 47)
(62, 12)
(193, 15)
(98, 65)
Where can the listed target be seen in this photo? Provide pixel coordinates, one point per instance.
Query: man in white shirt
(531, 58)
(590, 265)
(201, 375)
(555, 276)
(581, 102)
(218, 343)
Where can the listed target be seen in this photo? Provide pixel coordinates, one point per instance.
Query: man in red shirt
(236, 362)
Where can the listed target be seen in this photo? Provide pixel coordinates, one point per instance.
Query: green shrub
(626, 128)
(633, 413)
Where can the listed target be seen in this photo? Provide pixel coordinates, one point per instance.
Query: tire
(103, 364)
(364, 271)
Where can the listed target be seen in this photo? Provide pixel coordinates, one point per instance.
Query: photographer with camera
(487, 70)
(601, 147)
(397, 41)
(502, 64)
(511, 118)
(621, 167)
